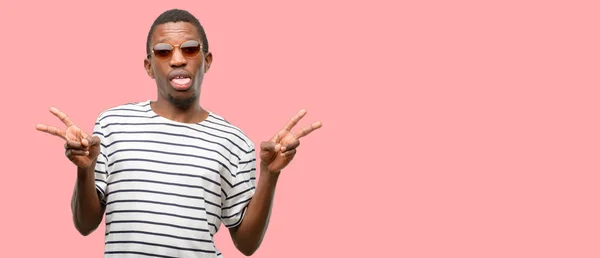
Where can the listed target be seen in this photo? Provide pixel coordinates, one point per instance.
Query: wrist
(86, 171)
(266, 173)
(264, 168)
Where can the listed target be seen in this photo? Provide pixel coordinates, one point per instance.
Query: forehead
(174, 32)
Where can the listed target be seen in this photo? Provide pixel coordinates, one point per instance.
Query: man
(167, 173)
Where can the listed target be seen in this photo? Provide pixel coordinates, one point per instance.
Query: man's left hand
(277, 153)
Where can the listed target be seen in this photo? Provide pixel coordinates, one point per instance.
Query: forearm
(249, 234)
(85, 204)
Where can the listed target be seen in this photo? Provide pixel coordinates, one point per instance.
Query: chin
(182, 102)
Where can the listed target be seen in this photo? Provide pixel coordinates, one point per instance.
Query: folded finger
(74, 145)
(73, 152)
(289, 154)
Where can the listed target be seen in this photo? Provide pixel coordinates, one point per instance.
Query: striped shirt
(168, 186)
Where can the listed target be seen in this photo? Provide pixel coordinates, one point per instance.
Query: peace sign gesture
(281, 149)
(80, 148)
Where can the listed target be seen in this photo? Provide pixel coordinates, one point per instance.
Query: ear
(208, 60)
(148, 67)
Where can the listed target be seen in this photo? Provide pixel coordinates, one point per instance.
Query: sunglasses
(189, 49)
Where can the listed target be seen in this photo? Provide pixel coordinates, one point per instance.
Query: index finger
(62, 116)
(294, 120)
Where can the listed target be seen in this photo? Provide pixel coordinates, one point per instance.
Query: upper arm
(238, 190)
(101, 171)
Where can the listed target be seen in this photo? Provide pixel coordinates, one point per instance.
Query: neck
(192, 113)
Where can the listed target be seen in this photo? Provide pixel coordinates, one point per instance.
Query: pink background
(451, 128)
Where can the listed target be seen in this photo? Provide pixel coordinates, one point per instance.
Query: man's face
(178, 75)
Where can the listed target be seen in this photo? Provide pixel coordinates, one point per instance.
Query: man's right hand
(80, 148)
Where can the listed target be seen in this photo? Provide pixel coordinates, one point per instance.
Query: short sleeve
(100, 172)
(240, 189)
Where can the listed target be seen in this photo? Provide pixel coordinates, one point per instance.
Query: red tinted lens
(163, 50)
(190, 48)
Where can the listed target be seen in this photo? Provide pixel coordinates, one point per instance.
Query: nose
(177, 59)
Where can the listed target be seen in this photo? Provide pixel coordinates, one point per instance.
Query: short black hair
(177, 15)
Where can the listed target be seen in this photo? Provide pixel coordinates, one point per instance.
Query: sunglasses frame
(173, 49)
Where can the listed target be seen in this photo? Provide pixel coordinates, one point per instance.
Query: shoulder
(131, 108)
(233, 132)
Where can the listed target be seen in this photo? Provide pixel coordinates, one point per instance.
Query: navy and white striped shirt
(168, 186)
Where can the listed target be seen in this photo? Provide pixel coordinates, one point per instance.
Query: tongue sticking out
(182, 81)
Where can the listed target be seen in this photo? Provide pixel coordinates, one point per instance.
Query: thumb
(270, 147)
(90, 141)
(268, 151)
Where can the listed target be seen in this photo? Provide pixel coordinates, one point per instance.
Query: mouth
(180, 80)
